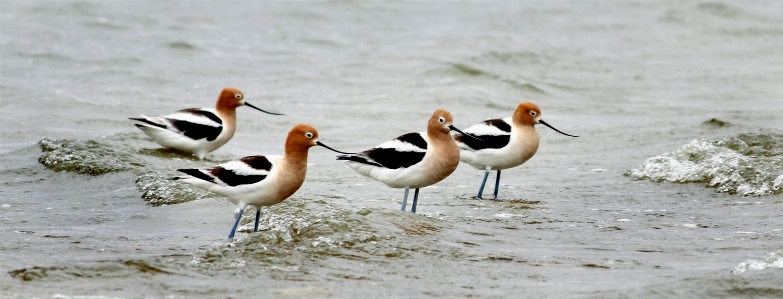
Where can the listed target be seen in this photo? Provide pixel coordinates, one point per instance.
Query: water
(673, 190)
(748, 164)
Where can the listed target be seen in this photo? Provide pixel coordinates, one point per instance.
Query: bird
(413, 160)
(259, 181)
(197, 130)
(505, 143)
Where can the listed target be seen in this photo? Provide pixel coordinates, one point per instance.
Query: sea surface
(674, 188)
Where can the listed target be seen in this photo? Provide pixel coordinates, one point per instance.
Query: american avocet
(505, 143)
(413, 160)
(259, 180)
(197, 131)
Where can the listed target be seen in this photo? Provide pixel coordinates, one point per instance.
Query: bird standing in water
(197, 130)
(505, 143)
(259, 180)
(413, 160)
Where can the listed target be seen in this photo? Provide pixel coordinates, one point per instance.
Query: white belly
(520, 148)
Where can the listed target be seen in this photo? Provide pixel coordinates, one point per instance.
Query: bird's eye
(441, 119)
(239, 96)
(533, 113)
(309, 135)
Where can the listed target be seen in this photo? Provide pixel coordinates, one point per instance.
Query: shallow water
(673, 190)
(747, 164)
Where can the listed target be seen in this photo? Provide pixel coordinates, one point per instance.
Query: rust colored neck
(296, 151)
(438, 134)
(229, 116)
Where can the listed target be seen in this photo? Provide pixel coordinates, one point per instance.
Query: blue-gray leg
(483, 182)
(415, 199)
(497, 184)
(258, 215)
(405, 199)
(234, 229)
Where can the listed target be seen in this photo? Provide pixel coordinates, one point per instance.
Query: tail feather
(147, 122)
(196, 173)
(360, 159)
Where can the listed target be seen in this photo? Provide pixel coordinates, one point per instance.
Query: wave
(128, 152)
(773, 260)
(305, 232)
(747, 164)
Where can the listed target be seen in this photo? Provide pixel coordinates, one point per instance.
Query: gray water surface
(674, 189)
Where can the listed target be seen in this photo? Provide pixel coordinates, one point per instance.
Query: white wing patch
(400, 146)
(482, 129)
(241, 168)
(196, 119)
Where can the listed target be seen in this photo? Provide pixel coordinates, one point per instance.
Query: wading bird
(259, 180)
(197, 130)
(505, 143)
(413, 160)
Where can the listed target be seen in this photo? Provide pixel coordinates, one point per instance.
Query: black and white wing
(193, 123)
(494, 134)
(245, 171)
(401, 152)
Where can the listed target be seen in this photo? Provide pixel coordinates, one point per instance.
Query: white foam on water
(507, 215)
(774, 260)
(748, 164)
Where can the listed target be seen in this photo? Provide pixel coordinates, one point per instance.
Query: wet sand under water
(676, 104)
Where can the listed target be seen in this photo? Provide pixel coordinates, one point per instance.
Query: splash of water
(160, 190)
(773, 260)
(85, 157)
(126, 152)
(747, 164)
(300, 233)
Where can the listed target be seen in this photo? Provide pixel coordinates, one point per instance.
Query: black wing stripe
(200, 112)
(392, 159)
(232, 179)
(147, 122)
(196, 131)
(500, 124)
(415, 139)
(196, 173)
(358, 159)
(257, 162)
(490, 141)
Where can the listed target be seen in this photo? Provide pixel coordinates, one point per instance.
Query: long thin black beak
(463, 133)
(324, 145)
(259, 109)
(553, 128)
